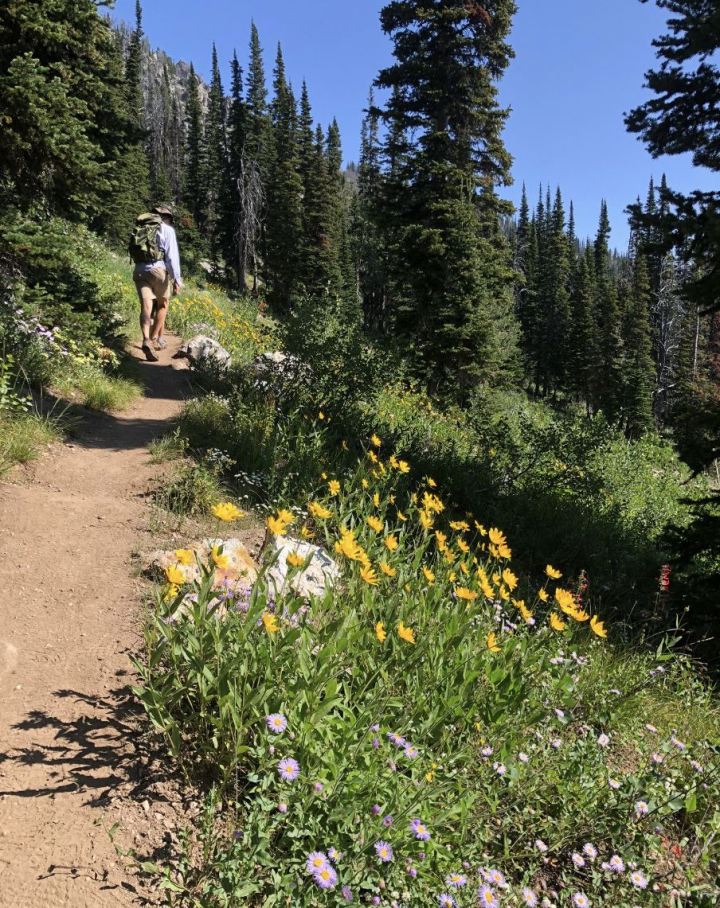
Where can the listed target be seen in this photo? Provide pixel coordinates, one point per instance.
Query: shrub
(431, 690)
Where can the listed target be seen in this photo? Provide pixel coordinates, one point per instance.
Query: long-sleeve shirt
(168, 244)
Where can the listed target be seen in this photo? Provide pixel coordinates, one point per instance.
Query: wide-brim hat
(164, 211)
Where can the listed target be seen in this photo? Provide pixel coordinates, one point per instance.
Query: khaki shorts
(153, 284)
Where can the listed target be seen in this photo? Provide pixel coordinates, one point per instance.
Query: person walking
(154, 249)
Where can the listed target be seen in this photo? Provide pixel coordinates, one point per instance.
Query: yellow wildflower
(286, 516)
(321, 416)
(431, 483)
(597, 627)
(449, 556)
(365, 484)
(509, 579)
(375, 524)
(480, 528)
(373, 456)
(319, 511)
(334, 487)
(375, 441)
(452, 576)
(504, 593)
(348, 546)
(464, 568)
(270, 623)
(393, 462)
(380, 632)
(492, 643)
(497, 537)
(276, 527)
(406, 633)
(543, 595)
(580, 615)
(387, 569)
(429, 576)
(460, 526)
(403, 466)
(391, 543)
(402, 517)
(294, 560)
(527, 615)
(504, 552)
(170, 594)
(462, 592)
(552, 572)
(175, 575)
(227, 511)
(565, 600)
(463, 546)
(376, 499)
(221, 561)
(369, 576)
(556, 622)
(306, 533)
(185, 556)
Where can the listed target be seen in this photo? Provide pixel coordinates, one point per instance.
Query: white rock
(320, 574)
(204, 350)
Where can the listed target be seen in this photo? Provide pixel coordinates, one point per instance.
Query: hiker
(153, 248)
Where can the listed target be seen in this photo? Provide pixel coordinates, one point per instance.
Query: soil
(75, 765)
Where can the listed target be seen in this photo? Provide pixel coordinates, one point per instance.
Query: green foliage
(86, 384)
(23, 436)
(418, 724)
(191, 491)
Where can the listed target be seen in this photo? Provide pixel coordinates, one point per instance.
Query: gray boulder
(202, 350)
(318, 573)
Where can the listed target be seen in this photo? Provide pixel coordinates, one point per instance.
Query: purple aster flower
(334, 855)
(376, 743)
(603, 740)
(698, 767)
(384, 851)
(559, 713)
(641, 809)
(497, 878)
(376, 809)
(638, 879)
(590, 851)
(541, 846)
(388, 821)
(500, 768)
(397, 740)
(556, 743)
(614, 784)
(615, 864)
(523, 757)
(420, 830)
(456, 879)
(347, 893)
(316, 861)
(676, 743)
(577, 859)
(411, 751)
(487, 751)
(375, 900)
(580, 900)
(326, 878)
(412, 872)
(289, 769)
(277, 723)
(657, 759)
(529, 898)
(375, 727)
(282, 808)
(487, 897)
(446, 901)
(318, 786)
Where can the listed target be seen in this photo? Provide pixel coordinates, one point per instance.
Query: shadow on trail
(101, 751)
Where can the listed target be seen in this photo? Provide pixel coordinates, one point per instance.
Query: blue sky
(579, 66)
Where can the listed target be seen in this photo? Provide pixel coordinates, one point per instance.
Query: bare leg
(161, 315)
(146, 315)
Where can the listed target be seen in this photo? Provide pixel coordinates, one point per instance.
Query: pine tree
(639, 370)
(582, 348)
(194, 189)
(285, 192)
(607, 378)
(215, 157)
(232, 214)
(450, 293)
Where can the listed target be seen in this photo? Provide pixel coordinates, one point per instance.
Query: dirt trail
(68, 625)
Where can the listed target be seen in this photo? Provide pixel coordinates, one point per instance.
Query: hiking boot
(149, 355)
